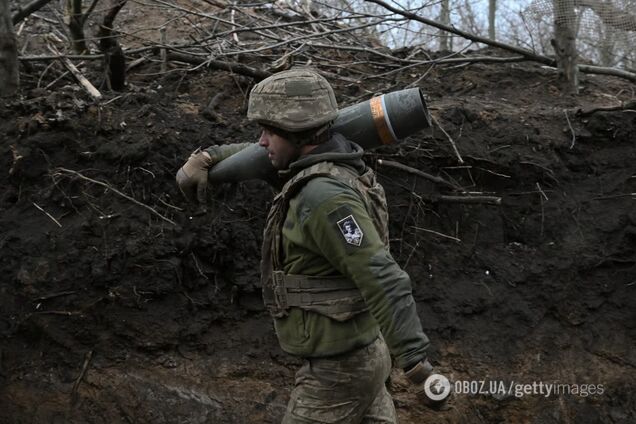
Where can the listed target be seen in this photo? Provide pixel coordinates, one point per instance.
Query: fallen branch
(46, 58)
(90, 88)
(591, 69)
(436, 233)
(489, 200)
(136, 63)
(52, 83)
(234, 67)
(25, 11)
(454, 60)
(437, 180)
(631, 106)
(114, 190)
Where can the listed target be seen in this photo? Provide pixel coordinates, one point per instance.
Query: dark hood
(337, 149)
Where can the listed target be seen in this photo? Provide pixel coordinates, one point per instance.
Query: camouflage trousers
(348, 388)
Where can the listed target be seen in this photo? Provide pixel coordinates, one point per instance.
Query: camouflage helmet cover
(294, 101)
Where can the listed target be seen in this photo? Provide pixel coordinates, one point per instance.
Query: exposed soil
(111, 313)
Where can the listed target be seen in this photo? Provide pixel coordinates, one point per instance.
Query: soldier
(338, 298)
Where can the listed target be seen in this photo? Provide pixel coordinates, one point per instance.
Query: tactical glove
(433, 390)
(192, 177)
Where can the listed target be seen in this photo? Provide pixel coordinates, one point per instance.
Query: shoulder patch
(350, 230)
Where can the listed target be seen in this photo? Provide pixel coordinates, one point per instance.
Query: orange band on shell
(377, 112)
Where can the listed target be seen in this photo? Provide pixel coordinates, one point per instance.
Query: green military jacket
(329, 232)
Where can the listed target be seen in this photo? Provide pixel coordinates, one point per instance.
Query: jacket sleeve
(363, 258)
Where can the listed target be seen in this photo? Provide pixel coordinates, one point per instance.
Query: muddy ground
(120, 302)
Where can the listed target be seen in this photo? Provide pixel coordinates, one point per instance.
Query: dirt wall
(120, 302)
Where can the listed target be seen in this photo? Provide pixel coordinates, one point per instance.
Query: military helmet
(294, 101)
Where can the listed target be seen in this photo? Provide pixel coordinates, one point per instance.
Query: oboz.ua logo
(437, 387)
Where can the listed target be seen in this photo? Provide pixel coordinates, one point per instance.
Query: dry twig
(437, 180)
(450, 139)
(436, 233)
(490, 200)
(567, 118)
(235, 67)
(114, 190)
(78, 381)
(47, 214)
(58, 294)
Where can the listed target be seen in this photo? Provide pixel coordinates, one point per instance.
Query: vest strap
(289, 290)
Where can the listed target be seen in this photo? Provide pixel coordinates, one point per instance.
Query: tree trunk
(75, 22)
(492, 12)
(9, 74)
(564, 43)
(114, 59)
(606, 46)
(444, 17)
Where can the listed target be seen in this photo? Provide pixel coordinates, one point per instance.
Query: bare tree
(9, 75)
(606, 45)
(114, 59)
(564, 42)
(75, 19)
(492, 13)
(444, 18)
(468, 18)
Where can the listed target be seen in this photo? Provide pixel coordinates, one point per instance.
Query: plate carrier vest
(334, 296)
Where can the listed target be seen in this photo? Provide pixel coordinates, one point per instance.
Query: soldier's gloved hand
(192, 177)
(432, 389)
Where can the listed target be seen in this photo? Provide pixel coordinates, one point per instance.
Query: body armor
(335, 297)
